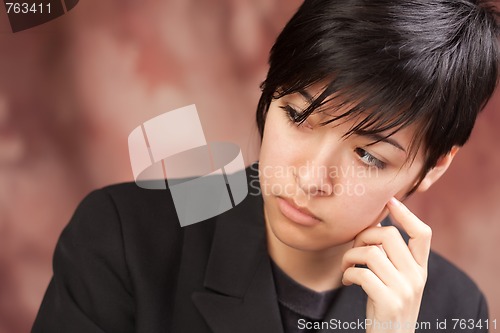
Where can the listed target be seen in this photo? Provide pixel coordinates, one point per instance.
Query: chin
(303, 238)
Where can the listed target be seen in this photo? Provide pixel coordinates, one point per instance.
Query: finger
(380, 246)
(376, 261)
(392, 243)
(371, 284)
(419, 232)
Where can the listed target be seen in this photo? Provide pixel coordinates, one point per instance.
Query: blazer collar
(239, 291)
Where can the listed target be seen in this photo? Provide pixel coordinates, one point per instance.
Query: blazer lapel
(256, 311)
(239, 293)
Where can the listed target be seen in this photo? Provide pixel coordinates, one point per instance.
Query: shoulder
(451, 294)
(135, 205)
(128, 209)
(115, 263)
(147, 220)
(151, 240)
(130, 199)
(125, 218)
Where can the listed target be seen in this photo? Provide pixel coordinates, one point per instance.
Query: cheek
(270, 135)
(367, 199)
(279, 139)
(279, 149)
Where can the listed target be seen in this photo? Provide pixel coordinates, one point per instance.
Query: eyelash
(292, 114)
(364, 156)
(369, 159)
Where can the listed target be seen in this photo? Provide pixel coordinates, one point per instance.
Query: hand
(395, 278)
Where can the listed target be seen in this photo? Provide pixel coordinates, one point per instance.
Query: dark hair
(433, 63)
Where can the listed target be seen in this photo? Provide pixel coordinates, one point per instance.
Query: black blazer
(123, 264)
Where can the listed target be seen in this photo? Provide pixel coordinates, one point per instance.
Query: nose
(315, 179)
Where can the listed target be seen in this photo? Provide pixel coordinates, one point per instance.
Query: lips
(295, 213)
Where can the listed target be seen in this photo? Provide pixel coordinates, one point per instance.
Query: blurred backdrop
(73, 89)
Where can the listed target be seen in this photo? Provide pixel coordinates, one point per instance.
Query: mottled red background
(73, 89)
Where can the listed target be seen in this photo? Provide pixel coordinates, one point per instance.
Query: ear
(439, 169)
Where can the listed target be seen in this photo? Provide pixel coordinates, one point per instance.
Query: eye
(369, 159)
(291, 113)
(295, 116)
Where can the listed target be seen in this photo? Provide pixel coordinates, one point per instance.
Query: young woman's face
(344, 183)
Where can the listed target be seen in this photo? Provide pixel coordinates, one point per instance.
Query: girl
(365, 103)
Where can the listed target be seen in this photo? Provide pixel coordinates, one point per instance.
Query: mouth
(295, 213)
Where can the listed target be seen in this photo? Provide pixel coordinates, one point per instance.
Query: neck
(316, 270)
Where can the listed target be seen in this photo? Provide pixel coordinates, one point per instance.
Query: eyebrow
(380, 138)
(306, 95)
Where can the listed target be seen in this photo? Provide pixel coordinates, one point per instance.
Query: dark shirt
(299, 302)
